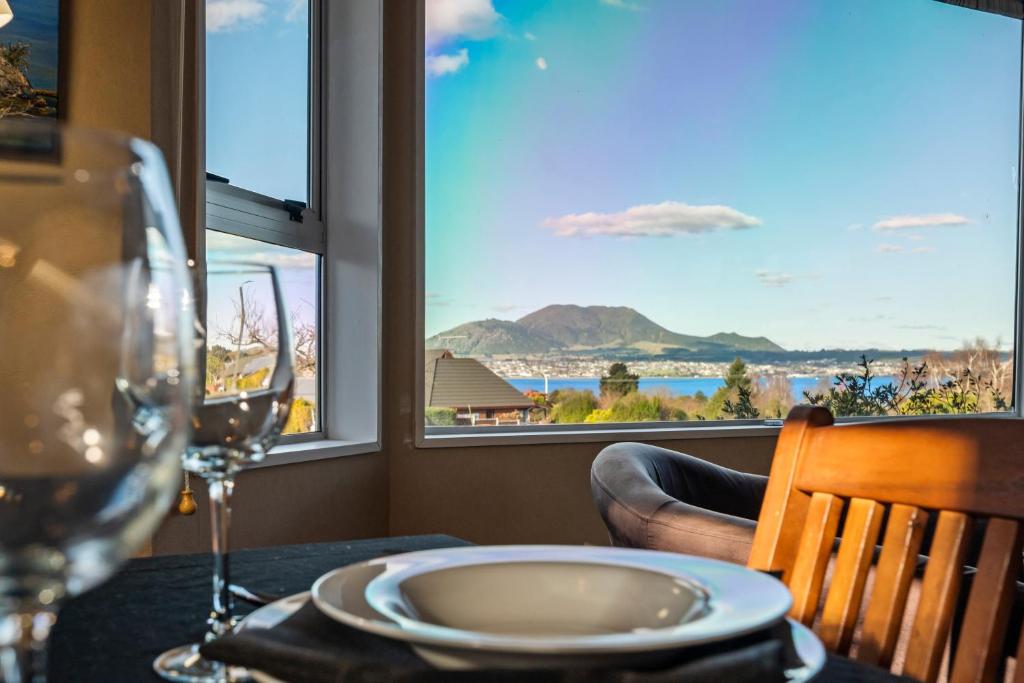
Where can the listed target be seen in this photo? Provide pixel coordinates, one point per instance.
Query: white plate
(550, 606)
(808, 647)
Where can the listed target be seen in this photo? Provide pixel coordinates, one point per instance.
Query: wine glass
(96, 368)
(249, 386)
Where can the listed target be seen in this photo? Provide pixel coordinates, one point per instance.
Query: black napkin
(309, 647)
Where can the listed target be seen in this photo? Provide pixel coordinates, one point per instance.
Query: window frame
(470, 436)
(348, 283)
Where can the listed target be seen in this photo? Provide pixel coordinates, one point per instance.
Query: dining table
(113, 632)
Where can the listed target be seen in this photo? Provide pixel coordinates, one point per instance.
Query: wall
(108, 65)
(510, 494)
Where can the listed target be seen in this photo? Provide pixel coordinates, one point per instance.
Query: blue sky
(833, 173)
(257, 90)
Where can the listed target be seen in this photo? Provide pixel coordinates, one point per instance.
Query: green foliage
(572, 407)
(16, 54)
(254, 380)
(735, 378)
(619, 381)
(736, 375)
(638, 407)
(743, 409)
(300, 418)
(915, 393)
(439, 417)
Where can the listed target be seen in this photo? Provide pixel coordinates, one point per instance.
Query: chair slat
(988, 607)
(846, 590)
(938, 596)
(813, 555)
(893, 577)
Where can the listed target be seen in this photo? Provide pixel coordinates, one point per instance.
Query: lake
(676, 386)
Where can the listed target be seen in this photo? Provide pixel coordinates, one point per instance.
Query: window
(682, 212)
(263, 176)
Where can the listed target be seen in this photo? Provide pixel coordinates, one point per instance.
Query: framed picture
(31, 65)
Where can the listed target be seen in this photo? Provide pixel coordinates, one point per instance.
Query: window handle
(294, 208)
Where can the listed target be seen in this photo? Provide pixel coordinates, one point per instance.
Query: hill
(492, 337)
(562, 328)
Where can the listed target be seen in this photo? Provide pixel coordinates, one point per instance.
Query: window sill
(309, 451)
(448, 437)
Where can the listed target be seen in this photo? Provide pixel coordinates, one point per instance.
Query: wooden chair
(958, 469)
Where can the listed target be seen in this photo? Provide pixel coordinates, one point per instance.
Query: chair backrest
(957, 469)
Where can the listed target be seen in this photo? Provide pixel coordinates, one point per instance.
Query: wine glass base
(184, 664)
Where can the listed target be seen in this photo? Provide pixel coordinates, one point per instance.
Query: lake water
(675, 386)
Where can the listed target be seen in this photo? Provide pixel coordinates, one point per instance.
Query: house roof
(465, 382)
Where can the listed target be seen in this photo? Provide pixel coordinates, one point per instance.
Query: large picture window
(263, 178)
(661, 211)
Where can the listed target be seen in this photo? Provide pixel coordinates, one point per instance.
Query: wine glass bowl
(96, 369)
(249, 380)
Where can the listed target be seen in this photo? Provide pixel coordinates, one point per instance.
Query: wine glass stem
(23, 646)
(220, 489)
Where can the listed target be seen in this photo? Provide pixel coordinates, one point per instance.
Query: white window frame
(446, 437)
(342, 226)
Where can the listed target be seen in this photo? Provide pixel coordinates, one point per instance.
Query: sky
(257, 93)
(829, 174)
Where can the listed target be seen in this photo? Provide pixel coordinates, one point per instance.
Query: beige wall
(108, 65)
(510, 494)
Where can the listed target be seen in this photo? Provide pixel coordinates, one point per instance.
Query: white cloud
(226, 15)
(296, 10)
(652, 220)
(930, 220)
(437, 300)
(439, 65)
(623, 4)
(770, 279)
(888, 248)
(448, 19)
(224, 246)
(542, 64)
(922, 250)
(529, 36)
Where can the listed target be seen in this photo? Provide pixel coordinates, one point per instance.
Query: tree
(919, 390)
(735, 378)
(743, 409)
(619, 381)
(736, 375)
(16, 54)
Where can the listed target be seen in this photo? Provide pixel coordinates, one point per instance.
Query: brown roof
(465, 382)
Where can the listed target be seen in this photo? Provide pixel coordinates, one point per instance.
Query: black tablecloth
(113, 633)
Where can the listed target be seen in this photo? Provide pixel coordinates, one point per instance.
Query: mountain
(561, 328)
(492, 337)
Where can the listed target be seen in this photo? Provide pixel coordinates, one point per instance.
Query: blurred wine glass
(249, 384)
(96, 368)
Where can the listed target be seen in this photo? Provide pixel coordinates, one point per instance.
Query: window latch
(294, 208)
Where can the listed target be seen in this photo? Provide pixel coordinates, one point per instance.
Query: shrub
(439, 417)
(300, 419)
(572, 407)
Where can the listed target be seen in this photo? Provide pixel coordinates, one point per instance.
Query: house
(478, 396)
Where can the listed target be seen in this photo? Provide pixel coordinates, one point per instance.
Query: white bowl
(550, 606)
